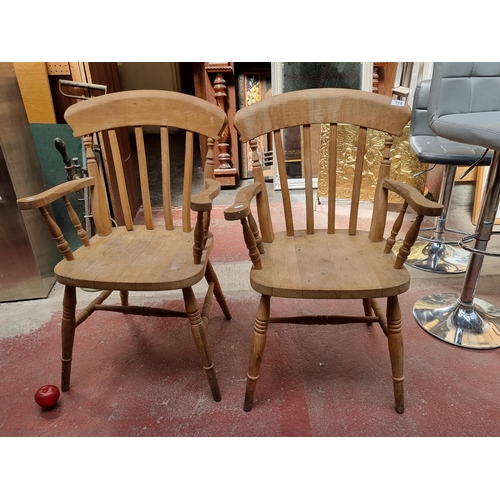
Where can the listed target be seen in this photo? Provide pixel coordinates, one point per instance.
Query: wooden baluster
(375, 79)
(56, 233)
(396, 228)
(408, 242)
(206, 227)
(82, 234)
(253, 252)
(198, 238)
(255, 231)
(220, 97)
(209, 161)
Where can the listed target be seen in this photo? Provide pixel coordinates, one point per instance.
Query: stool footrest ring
(434, 239)
(476, 250)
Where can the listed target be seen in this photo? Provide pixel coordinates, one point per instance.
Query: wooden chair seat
(138, 260)
(345, 267)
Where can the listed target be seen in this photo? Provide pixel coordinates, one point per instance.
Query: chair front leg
(257, 350)
(68, 325)
(396, 353)
(199, 332)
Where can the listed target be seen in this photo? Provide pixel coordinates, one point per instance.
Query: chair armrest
(414, 198)
(52, 194)
(202, 202)
(241, 206)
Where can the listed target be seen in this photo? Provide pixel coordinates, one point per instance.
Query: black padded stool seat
(464, 106)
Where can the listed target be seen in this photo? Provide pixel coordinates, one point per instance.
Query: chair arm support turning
(422, 207)
(202, 202)
(241, 206)
(414, 198)
(46, 197)
(52, 194)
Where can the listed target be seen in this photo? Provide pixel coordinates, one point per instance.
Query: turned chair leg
(68, 325)
(211, 277)
(200, 337)
(395, 339)
(124, 297)
(257, 349)
(368, 309)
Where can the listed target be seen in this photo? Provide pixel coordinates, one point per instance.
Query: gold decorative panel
(404, 163)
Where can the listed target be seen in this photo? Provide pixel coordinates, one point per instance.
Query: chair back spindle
(335, 109)
(166, 185)
(135, 110)
(143, 176)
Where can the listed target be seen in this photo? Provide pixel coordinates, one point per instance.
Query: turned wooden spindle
(396, 228)
(82, 234)
(56, 233)
(198, 238)
(253, 252)
(408, 242)
(255, 230)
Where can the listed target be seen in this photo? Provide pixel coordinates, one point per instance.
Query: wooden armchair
(139, 257)
(327, 263)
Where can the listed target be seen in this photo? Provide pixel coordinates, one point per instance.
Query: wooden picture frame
(482, 175)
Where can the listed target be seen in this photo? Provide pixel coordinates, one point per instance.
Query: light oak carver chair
(310, 262)
(171, 256)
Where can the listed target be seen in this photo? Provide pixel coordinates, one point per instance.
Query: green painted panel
(54, 172)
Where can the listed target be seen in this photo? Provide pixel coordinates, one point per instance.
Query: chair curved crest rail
(140, 257)
(310, 262)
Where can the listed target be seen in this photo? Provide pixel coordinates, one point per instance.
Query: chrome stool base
(446, 317)
(436, 257)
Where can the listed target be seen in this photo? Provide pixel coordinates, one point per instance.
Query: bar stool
(436, 253)
(464, 106)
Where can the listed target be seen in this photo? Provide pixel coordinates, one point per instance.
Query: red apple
(47, 396)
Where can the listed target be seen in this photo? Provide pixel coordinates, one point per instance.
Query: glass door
(290, 76)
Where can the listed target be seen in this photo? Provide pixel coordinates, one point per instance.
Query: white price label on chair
(395, 102)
